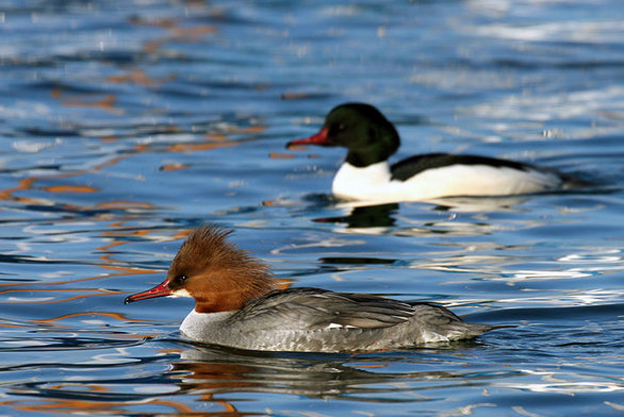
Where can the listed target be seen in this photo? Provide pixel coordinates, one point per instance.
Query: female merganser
(237, 305)
(366, 175)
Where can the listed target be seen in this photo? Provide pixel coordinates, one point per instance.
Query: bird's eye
(182, 277)
(337, 128)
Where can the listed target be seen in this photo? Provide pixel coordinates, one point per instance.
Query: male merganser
(366, 175)
(237, 305)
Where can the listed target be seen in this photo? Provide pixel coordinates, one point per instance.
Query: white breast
(201, 326)
(373, 182)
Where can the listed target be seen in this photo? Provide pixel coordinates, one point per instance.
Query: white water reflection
(492, 267)
(570, 298)
(563, 105)
(568, 388)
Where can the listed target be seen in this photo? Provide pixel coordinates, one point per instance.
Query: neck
(379, 150)
(236, 296)
(362, 159)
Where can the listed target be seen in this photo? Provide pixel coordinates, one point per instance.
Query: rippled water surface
(125, 124)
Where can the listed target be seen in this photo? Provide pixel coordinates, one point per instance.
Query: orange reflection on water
(294, 95)
(70, 189)
(179, 34)
(191, 33)
(88, 406)
(248, 129)
(203, 146)
(27, 184)
(126, 272)
(114, 316)
(99, 100)
(174, 167)
(47, 292)
(95, 292)
(139, 77)
(215, 136)
(281, 155)
(40, 293)
(23, 184)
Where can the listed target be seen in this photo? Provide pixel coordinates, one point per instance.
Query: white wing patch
(340, 326)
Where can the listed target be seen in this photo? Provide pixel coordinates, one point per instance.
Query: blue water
(125, 124)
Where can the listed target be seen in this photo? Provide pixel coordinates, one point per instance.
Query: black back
(407, 168)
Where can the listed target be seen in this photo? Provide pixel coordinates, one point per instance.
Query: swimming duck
(366, 174)
(237, 305)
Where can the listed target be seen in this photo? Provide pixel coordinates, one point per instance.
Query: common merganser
(237, 305)
(366, 175)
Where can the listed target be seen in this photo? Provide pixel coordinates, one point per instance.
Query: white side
(361, 183)
(373, 182)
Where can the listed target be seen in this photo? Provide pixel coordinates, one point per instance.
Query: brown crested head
(216, 273)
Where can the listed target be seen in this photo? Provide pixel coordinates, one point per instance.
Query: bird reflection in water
(214, 369)
(380, 215)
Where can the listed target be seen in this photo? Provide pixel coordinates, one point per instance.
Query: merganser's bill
(237, 305)
(366, 175)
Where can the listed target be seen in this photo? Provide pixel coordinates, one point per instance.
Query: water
(125, 124)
